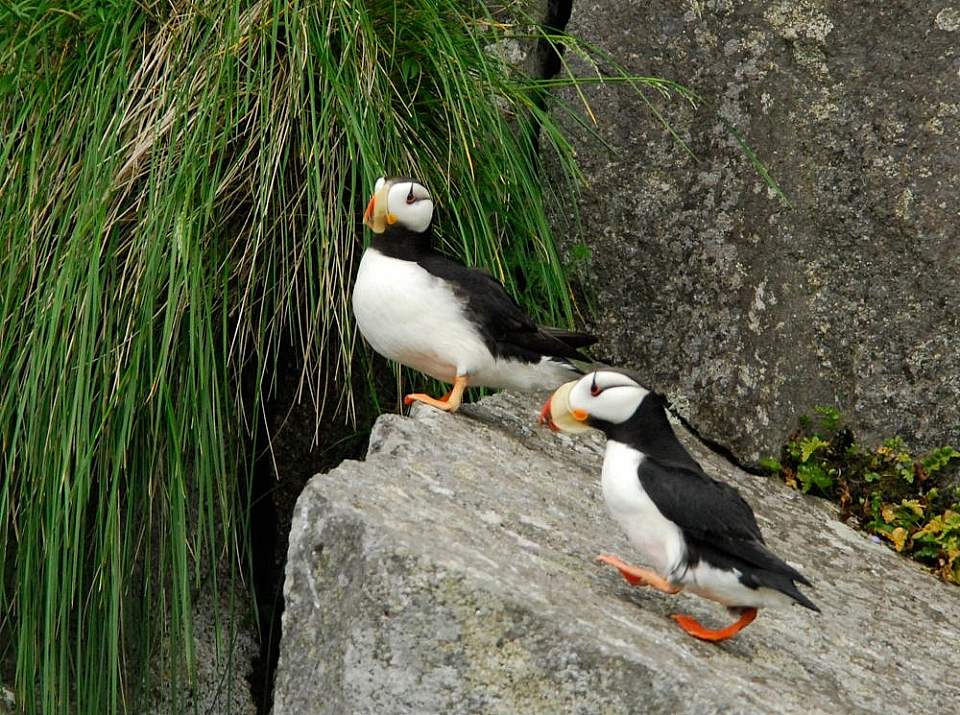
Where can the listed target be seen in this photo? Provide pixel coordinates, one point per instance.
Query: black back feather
(506, 329)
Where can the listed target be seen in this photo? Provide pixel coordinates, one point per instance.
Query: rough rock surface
(452, 572)
(8, 702)
(748, 312)
(224, 652)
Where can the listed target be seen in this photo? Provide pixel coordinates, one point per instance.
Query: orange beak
(368, 214)
(545, 416)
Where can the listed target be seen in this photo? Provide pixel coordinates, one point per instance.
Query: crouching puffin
(698, 534)
(420, 308)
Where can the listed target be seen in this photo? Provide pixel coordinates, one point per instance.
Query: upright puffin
(697, 533)
(420, 308)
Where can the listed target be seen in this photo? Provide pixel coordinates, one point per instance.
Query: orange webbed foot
(637, 576)
(693, 627)
(448, 403)
(441, 404)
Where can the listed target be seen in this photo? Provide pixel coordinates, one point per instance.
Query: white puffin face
(602, 396)
(400, 202)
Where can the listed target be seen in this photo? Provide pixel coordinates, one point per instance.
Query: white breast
(414, 318)
(659, 540)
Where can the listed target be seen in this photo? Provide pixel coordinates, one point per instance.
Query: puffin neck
(399, 242)
(649, 432)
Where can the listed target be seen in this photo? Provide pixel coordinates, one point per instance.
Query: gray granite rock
(748, 312)
(452, 572)
(8, 702)
(224, 646)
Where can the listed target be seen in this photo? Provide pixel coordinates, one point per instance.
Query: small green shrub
(885, 490)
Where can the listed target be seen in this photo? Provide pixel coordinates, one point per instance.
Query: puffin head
(598, 400)
(399, 202)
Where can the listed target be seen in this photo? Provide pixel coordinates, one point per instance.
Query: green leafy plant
(886, 490)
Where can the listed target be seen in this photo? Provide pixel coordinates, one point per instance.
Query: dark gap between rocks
(286, 458)
(717, 448)
(547, 57)
(558, 15)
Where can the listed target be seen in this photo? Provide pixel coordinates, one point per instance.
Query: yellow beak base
(562, 417)
(377, 217)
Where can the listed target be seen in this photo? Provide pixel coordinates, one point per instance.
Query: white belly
(414, 318)
(659, 540)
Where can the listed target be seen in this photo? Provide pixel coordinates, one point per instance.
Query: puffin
(697, 533)
(422, 309)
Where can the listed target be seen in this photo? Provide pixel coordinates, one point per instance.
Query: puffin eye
(411, 198)
(595, 389)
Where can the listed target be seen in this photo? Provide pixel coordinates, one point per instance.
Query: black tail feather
(571, 338)
(758, 566)
(784, 584)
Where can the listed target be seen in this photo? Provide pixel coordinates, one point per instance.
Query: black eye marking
(410, 197)
(594, 387)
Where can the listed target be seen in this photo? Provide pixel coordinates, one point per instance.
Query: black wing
(505, 327)
(714, 518)
(701, 506)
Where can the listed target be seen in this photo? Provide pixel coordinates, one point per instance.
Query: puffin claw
(693, 627)
(636, 576)
(448, 403)
(444, 405)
